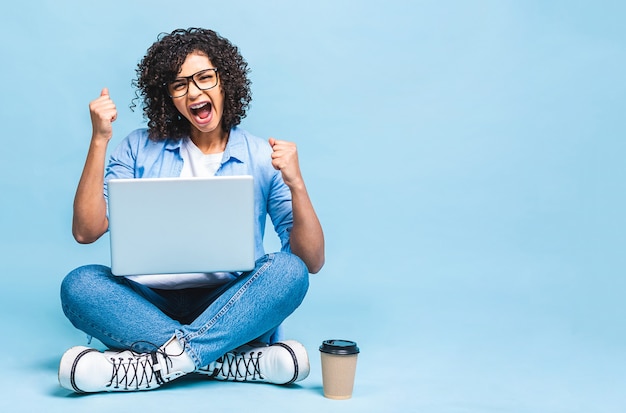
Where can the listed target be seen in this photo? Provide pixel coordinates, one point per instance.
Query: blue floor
(466, 160)
(437, 346)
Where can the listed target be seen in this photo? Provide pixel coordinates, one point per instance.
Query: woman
(195, 92)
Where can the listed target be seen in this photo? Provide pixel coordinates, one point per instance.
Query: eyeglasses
(204, 79)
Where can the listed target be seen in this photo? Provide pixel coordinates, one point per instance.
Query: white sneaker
(87, 370)
(284, 362)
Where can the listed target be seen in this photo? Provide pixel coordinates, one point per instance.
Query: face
(202, 108)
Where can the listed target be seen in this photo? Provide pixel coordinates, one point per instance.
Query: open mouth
(201, 110)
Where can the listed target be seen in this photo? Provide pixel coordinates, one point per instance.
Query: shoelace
(138, 371)
(230, 364)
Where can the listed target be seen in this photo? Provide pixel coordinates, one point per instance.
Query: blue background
(465, 158)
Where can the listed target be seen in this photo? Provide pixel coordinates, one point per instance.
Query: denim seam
(190, 336)
(96, 327)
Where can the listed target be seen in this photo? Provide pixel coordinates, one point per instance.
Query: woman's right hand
(90, 220)
(103, 114)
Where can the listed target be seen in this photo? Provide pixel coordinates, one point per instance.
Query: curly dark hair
(161, 65)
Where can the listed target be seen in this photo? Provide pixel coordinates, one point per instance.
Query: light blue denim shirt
(139, 157)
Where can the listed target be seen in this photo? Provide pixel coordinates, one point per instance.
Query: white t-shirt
(195, 164)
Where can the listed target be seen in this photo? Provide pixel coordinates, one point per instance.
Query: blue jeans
(123, 314)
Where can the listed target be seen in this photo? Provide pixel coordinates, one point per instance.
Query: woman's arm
(90, 219)
(307, 237)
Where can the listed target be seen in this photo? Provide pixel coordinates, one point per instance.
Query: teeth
(198, 106)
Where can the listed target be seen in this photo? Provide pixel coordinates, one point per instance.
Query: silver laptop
(181, 225)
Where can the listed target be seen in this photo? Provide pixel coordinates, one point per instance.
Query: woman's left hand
(306, 236)
(285, 159)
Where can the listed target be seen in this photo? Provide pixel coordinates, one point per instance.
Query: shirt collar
(173, 144)
(235, 148)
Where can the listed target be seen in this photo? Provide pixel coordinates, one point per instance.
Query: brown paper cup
(339, 358)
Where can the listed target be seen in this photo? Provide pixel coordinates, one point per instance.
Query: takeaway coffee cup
(338, 368)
